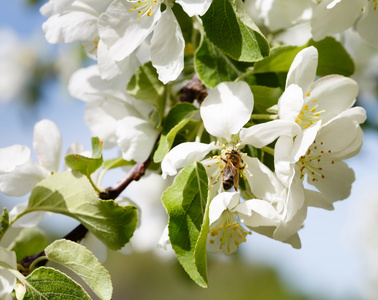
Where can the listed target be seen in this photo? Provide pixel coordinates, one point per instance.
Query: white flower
(318, 153)
(126, 24)
(114, 116)
(225, 232)
(335, 16)
(224, 112)
(304, 101)
(7, 279)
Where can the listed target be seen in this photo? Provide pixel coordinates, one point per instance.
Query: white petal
(194, 7)
(262, 213)
(227, 108)
(121, 71)
(304, 140)
(167, 47)
(333, 94)
(328, 20)
(22, 179)
(13, 156)
(223, 201)
(282, 159)
(263, 134)
(29, 220)
(183, 155)
(295, 199)
(47, 144)
(122, 31)
(136, 138)
(54, 7)
(368, 23)
(290, 103)
(77, 24)
(264, 184)
(7, 279)
(303, 69)
(164, 239)
(316, 199)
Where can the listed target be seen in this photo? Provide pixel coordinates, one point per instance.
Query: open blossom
(306, 101)
(318, 153)
(114, 116)
(335, 16)
(226, 109)
(126, 24)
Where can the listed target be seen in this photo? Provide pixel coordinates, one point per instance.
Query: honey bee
(231, 172)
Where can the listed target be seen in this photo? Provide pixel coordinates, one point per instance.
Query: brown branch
(80, 231)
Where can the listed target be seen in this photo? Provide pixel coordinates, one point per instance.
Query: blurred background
(339, 255)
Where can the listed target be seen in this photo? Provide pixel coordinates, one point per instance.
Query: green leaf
(83, 262)
(228, 27)
(177, 118)
(4, 222)
(145, 86)
(71, 194)
(279, 60)
(264, 97)
(185, 202)
(333, 58)
(214, 67)
(28, 242)
(97, 147)
(87, 165)
(52, 284)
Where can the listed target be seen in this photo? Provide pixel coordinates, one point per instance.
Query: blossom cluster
(131, 95)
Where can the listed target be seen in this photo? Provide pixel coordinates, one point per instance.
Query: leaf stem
(268, 150)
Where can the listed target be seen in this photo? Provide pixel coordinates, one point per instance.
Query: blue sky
(331, 260)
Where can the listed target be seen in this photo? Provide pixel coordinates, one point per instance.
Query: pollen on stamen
(307, 94)
(211, 241)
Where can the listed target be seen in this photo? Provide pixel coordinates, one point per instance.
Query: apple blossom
(126, 24)
(7, 279)
(335, 16)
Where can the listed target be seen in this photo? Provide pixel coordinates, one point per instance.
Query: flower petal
(136, 138)
(333, 94)
(13, 156)
(328, 20)
(290, 103)
(183, 155)
(282, 159)
(167, 47)
(316, 199)
(47, 144)
(7, 279)
(366, 24)
(194, 7)
(303, 69)
(22, 179)
(227, 108)
(121, 29)
(223, 201)
(263, 134)
(262, 213)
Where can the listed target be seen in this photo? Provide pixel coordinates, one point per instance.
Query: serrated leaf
(214, 67)
(228, 27)
(264, 97)
(4, 222)
(52, 284)
(97, 147)
(185, 202)
(83, 262)
(177, 118)
(71, 194)
(145, 86)
(28, 242)
(333, 58)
